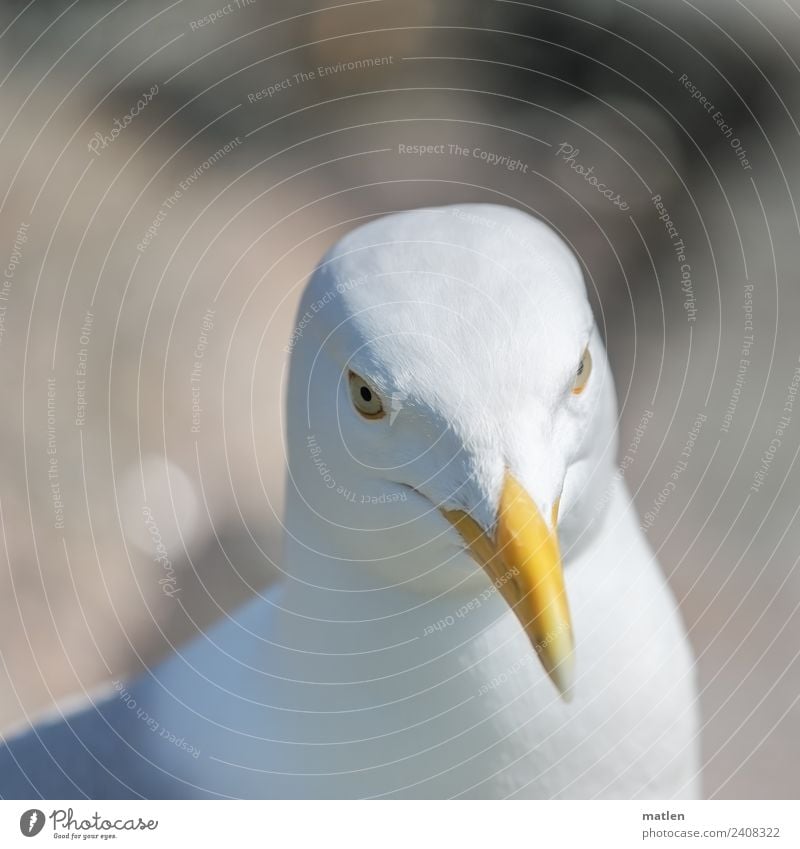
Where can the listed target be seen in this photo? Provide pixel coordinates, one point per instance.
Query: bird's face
(455, 394)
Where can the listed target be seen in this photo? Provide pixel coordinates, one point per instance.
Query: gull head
(450, 404)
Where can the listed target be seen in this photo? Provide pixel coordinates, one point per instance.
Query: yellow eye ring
(582, 373)
(365, 399)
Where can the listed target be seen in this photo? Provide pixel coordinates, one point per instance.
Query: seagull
(468, 607)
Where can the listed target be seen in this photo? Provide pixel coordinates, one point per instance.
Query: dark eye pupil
(366, 394)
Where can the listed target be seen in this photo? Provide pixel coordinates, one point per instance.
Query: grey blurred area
(170, 174)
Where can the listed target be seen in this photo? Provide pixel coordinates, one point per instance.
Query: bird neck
(341, 590)
(331, 599)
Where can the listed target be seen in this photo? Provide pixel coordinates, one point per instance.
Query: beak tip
(562, 674)
(566, 690)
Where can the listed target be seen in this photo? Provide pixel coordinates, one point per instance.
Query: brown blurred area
(272, 178)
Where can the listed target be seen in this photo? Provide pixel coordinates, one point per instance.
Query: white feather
(386, 664)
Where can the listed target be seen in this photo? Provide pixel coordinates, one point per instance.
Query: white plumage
(386, 663)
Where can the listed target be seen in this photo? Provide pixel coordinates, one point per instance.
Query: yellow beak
(524, 564)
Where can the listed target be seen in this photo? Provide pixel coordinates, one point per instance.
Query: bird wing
(96, 753)
(128, 744)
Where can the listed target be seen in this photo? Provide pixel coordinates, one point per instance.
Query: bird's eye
(365, 399)
(582, 374)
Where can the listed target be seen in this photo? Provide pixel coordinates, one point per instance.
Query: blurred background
(170, 174)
